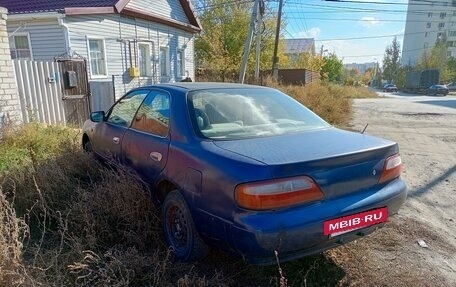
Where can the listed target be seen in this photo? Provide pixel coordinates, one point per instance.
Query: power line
(367, 20)
(439, 3)
(374, 55)
(205, 7)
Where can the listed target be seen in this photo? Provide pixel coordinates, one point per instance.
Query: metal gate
(75, 90)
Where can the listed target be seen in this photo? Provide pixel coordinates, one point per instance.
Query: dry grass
(90, 224)
(330, 101)
(66, 220)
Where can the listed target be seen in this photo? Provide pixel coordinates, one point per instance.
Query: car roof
(206, 85)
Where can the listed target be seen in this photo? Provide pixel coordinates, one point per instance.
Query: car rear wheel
(179, 229)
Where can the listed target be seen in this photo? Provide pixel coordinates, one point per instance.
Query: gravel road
(425, 128)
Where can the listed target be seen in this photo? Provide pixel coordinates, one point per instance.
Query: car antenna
(365, 128)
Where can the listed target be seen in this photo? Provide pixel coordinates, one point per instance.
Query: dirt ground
(425, 128)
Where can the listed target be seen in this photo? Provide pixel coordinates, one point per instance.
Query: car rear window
(228, 114)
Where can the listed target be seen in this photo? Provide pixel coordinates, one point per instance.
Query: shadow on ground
(316, 270)
(422, 190)
(442, 103)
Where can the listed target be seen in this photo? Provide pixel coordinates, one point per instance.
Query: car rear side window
(153, 115)
(123, 111)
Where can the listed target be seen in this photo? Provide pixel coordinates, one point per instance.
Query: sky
(356, 31)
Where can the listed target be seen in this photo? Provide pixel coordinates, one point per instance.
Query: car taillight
(277, 193)
(391, 169)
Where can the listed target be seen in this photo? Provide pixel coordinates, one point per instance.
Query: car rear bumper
(298, 232)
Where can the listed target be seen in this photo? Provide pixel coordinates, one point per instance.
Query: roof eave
(89, 10)
(34, 16)
(190, 13)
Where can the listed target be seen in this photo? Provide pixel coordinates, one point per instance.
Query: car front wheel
(179, 229)
(87, 146)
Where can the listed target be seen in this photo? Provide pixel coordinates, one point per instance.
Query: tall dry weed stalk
(12, 233)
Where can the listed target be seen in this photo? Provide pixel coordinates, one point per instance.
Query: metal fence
(39, 88)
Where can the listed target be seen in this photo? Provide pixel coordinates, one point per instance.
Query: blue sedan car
(249, 170)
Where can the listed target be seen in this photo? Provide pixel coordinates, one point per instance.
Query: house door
(75, 90)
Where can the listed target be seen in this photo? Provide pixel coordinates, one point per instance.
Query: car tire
(87, 146)
(179, 229)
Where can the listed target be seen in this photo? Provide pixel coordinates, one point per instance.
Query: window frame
(12, 44)
(148, 60)
(154, 92)
(109, 113)
(167, 64)
(180, 73)
(92, 75)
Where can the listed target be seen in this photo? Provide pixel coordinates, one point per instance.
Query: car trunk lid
(340, 162)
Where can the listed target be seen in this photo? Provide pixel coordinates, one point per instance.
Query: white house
(426, 22)
(126, 42)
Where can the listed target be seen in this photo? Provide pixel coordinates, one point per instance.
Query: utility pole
(248, 42)
(275, 64)
(258, 39)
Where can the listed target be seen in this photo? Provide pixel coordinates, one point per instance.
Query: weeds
(67, 220)
(330, 101)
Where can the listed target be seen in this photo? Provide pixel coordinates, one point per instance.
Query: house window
(452, 34)
(426, 34)
(442, 15)
(144, 60)
(428, 25)
(20, 47)
(180, 59)
(97, 57)
(164, 62)
(441, 25)
(429, 14)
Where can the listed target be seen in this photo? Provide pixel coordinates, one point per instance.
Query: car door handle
(116, 140)
(156, 156)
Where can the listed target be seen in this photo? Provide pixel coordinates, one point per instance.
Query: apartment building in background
(426, 22)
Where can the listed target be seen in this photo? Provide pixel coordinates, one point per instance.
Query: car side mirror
(97, 116)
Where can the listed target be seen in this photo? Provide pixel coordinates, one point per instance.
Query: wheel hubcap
(177, 228)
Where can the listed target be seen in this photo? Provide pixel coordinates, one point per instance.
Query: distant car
(249, 170)
(390, 88)
(437, 90)
(451, 86)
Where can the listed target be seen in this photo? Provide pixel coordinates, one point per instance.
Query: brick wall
(10, 110)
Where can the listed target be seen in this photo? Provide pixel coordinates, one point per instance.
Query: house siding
(167, 8)
(116, 30)
(47, 38)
